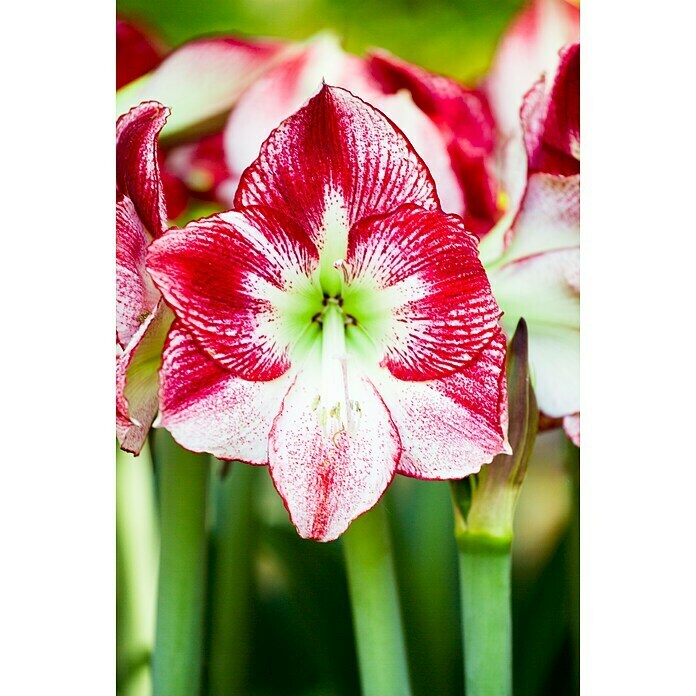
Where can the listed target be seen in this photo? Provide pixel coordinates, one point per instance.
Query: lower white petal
(207, 409)
(328, 478)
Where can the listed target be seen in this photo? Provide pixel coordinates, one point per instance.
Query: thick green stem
(137, 543)
(484, 577)
(231, 581)
(183, 492)
(375, 605)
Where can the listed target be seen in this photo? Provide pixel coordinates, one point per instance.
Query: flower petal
(287, 86)
(202, 79)
(554, 358)
(137, 380)
(327, 480)
(528, 48)
(415, 283)
(137, 166)
(231, 280)
(549, 217)
(465, 121)
(429, 143)
(551, 117)
(136, 295)
(571, 425)
(334, 162)
(544, 289)
(136, 53)
(450, 427)
(208, 409)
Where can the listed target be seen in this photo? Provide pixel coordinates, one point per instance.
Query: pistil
(334, 412)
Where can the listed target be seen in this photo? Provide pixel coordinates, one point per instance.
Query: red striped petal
(450, 427)
(137, 166)
(224, 277)
(551, 118)
(287, 86)
(136, 295)
(529, 47)
(336, 153)
(416, 284)
(208, 409)
(465, 121)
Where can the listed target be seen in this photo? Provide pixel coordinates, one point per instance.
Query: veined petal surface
(415, 282)
(326, 478)
(334, 162)
(450, 427)
(231, 280)
(207, 409)
(137, 165)
(465, 121)
(529, 48)
(288, 85)
(136, 295)
(551, 117)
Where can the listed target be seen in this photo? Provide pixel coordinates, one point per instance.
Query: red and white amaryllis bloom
(142, 318)
(450, 126)
(533, 256)
(337, 325)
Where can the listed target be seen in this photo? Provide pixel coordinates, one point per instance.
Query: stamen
(342, 269)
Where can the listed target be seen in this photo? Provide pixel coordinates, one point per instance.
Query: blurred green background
(300, 638)
(456, 37)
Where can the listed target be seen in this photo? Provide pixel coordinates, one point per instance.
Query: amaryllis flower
(450, 126)
(142, 318)
(337, 325)
(464, 119)
(201, 80)
(533, 261)
(528, 49)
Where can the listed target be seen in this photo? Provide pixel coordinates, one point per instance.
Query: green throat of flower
(333, 322)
